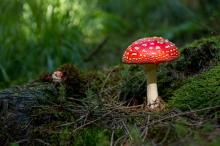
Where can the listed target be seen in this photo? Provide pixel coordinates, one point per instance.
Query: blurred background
(37, 36)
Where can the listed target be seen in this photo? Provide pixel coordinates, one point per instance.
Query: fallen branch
(98, 48)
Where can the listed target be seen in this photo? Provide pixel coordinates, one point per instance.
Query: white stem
(152, 93)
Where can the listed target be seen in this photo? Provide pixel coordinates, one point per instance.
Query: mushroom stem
(152, 93)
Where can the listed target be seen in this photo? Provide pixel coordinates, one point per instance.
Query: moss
(197, 57)
(92, 137)
(73, 81)
(198, 92)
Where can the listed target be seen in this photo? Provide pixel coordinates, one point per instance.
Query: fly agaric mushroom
(151, 51)
(57, 76)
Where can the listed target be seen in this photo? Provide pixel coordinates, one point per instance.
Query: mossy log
(14, 108)
(17, 103)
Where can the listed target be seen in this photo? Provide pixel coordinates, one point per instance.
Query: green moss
(92, 137)
(199, 92)
(181, 130)
(208, 127)
(199, 55)
(201, 42)
(215, 142)
(196, 57)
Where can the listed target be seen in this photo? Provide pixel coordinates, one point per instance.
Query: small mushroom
(57, 76)
(150, 52)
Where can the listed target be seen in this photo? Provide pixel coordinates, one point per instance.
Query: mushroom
(150, 52)
(57, 76)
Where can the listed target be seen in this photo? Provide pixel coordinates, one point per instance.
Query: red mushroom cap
(151, 50)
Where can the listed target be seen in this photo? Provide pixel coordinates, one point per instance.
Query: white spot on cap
(144, 51)
(134, 54)
(136, 48)
(161, 41)
(150, 48)
(167, 46)
(144, 45)
(158, 47)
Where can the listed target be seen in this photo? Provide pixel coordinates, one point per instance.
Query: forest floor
(106, 107)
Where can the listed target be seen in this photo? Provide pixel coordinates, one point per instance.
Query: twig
(126, 130)
(41, 141)
(118, 140)
(107, 78)
(165, 137)
(21, 141)
(91, 122)
(112, 138)
(70, 123)
(145, 131)
(182, 114)
(98, 48)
